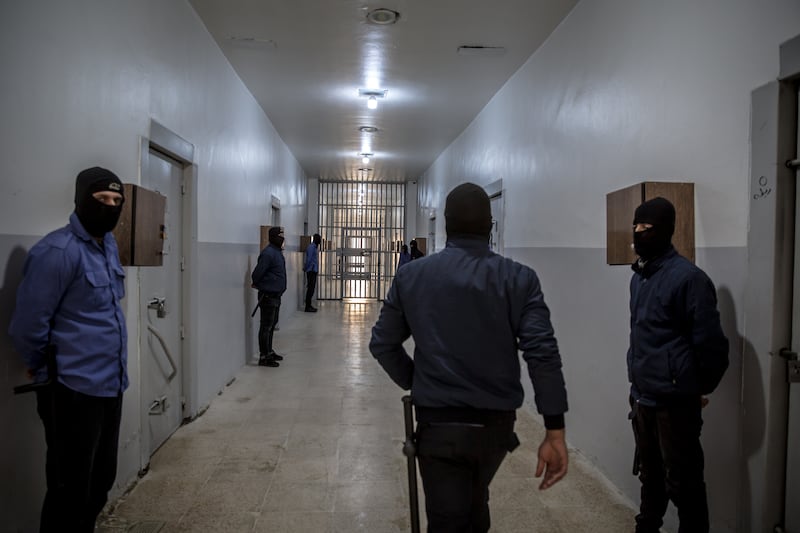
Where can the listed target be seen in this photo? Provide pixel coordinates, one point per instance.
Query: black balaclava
(95, 216)
(468, 211)
(275, 236)
(317, 239)
(655, 241)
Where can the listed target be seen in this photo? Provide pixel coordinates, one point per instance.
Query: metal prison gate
(362, 228)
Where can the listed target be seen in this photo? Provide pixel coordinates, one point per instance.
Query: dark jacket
(270, 272)
(677, 347)
(470, 311)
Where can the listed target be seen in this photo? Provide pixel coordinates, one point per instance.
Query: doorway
(161, 311)
(792, 491)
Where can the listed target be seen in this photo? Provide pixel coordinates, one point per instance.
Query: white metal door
(496, 238)
(792, 519)
(160, 331)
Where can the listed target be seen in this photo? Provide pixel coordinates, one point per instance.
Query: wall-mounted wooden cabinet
(422, 244)
(140, 230)
(621, 205)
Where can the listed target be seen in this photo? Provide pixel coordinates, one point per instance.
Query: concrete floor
(315, 446)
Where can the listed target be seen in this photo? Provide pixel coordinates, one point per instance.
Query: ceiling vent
(382, 16)
(481, 51)
(251, 42)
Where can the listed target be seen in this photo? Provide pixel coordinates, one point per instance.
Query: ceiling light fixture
(365, 158)
(372, 96)
(382, 16)
(368, 129)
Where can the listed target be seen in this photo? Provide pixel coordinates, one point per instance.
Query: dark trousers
(311, 284)
(671, 465)
(269, 306)
(457, 462)
(82, 435)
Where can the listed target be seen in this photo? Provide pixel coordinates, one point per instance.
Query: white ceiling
(304, 61)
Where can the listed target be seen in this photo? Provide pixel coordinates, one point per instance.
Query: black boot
(267, 361)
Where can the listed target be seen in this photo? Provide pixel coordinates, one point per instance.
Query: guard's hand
(552, 458)
(703, 402)
(30, 373)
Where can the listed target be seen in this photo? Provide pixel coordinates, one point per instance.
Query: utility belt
(268, 294)
(464, 416)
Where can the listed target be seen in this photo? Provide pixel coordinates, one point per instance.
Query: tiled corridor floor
(315, 446)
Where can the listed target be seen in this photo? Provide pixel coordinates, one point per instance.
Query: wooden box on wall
(305, 240)
(422, 244)
(140, 230)
(264, 237)
(620, 207)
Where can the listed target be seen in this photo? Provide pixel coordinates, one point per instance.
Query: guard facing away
(678, 354)
(68, 318)
(470, 310)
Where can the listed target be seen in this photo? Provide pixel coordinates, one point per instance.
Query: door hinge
(183, 332)
(792, 365)
(183, 263)
(183, 187)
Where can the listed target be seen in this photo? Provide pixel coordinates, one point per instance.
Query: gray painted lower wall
(227, 335)
(22, 447)
(588, 300)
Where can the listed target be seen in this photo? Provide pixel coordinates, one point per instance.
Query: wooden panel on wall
(620, 208)
(264, 237)
(305, 240)
(682, 197)
(140, 230)
(422, 244)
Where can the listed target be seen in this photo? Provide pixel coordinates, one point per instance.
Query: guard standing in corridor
(68, 304)
(269, 277)
(470, 310)
(678, 354)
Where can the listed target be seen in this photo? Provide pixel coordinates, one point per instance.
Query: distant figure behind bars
(481, 308)
(678, 354)
(70, 297)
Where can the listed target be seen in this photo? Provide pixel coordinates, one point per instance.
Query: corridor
(315, 446)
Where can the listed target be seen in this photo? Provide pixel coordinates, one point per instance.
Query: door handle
(159, 304)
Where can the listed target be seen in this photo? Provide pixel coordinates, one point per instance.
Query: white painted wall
(626, 91)
(80, 83)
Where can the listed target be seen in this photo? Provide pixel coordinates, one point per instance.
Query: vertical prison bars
(362, 228)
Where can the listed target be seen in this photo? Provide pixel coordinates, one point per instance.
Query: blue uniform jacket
(70, 295)
(312, 259)
(677, 347)
(470, 311)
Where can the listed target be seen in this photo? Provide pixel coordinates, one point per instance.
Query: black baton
(410, 451)
(50, 361)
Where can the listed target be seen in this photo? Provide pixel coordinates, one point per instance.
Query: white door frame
(163, 140)
(768, 296)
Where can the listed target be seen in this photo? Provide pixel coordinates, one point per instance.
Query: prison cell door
(161, 314)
